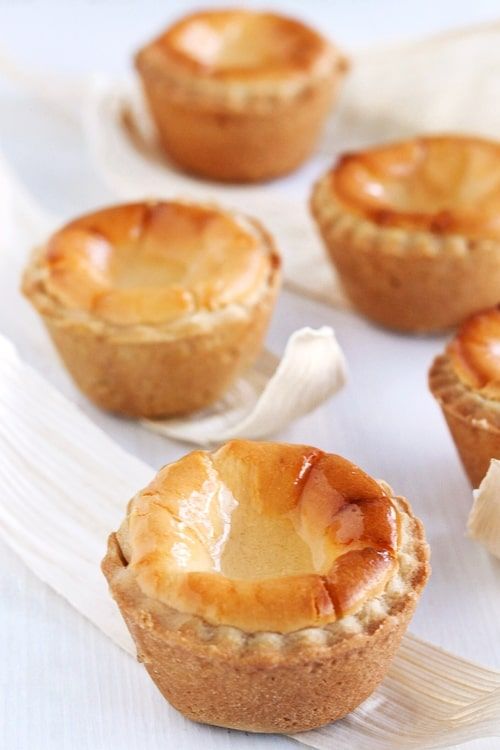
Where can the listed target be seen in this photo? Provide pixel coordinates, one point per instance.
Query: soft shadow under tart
(465, 381)
(155, 308)
(413, 229)
(267, 586)
(239, 95)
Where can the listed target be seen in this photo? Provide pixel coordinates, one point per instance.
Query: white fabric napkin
(65, 485)
(483, 524)
(449, 82)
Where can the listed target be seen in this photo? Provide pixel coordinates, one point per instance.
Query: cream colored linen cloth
(483, 523)
(65, 485)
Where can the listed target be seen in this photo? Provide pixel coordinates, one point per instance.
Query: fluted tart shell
(413, 229)
(465, 381)
(239, 95)
(214, 536)
(155, 308)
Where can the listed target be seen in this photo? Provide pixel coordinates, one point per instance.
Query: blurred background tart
(266, 585)
(413, 229)
(465, 380)
(156, 307)
(239, 95)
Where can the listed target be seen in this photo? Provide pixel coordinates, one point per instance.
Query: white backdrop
(62, 684)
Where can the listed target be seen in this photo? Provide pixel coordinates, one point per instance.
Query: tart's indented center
(446, 184)
(258, 517)
(152, 263)
(259, 546)
(475, 353)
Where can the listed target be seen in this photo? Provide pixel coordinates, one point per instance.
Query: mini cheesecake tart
(239, 95)
(267, 586)
(465, 380)
(155, 308)
(413, 229)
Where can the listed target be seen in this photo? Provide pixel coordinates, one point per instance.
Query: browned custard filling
(475, 353)
(442, 184)
(263, 536)
(237, 44)
(152, 263)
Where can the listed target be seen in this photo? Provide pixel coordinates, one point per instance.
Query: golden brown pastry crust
(473, 419)
(245, 120)
(475, 353)
(164, 368)
(267, 682)
(153, 263)
(237, 45)
(195, 532)
(441, 184)
(408, 270)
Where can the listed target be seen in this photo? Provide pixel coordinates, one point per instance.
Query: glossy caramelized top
(443, 184)
(263, 536)
(475, 353)
(242, 44)
(152, 263)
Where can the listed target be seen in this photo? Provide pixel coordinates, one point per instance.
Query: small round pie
(267, 586)
(155, 308)
(465, 380)
(413, 229)
(239, 95)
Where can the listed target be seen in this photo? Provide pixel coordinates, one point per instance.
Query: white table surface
(62, 683)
